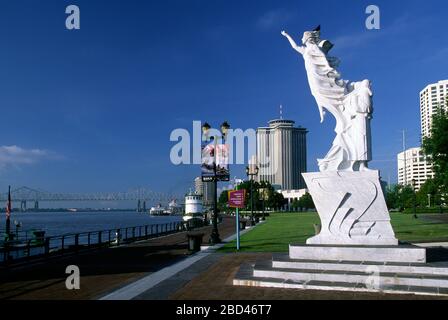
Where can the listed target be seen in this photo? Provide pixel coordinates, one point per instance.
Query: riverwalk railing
(23, 249)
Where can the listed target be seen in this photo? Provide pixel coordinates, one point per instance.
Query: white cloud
(438, 56)
(14, 156)
(398, 26)
(273, 18)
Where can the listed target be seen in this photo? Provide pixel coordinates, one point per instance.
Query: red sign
(237, 199)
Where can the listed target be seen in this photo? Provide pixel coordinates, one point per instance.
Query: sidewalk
(209, 276)
(102, 271)
(159, 285)
(212, 279)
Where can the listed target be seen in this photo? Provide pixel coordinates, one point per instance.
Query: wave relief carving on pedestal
(348, 206)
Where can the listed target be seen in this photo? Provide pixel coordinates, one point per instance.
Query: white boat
(158, 211)
(175, 209)
(193, 206)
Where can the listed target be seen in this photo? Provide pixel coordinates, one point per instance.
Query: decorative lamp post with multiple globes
(414, 186)
(214, 237)
(251, 172)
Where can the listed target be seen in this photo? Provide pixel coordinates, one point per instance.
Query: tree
(295, 205)
(274, 200)
(392, 197)
(400, 197)
(436, 147)
(278, 200)
(306, 202)
(429, 188)
(223, 201)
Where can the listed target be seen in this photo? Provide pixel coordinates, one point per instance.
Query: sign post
(237, 200)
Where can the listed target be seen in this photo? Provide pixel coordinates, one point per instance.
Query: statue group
(349, 102)
(356, 248)
(347, 194)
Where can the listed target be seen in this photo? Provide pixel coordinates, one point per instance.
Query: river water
(59, 223)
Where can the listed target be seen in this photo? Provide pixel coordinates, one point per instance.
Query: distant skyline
(91, 110)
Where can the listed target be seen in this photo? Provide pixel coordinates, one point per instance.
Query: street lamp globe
(225, 126)
(205, 128)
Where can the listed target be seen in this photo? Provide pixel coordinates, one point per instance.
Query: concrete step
(246, 277)
(265, 270)
(284, 262)
(400, 254)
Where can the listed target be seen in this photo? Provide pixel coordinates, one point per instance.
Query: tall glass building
(281, 154)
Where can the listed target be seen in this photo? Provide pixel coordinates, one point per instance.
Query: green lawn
(281, 229)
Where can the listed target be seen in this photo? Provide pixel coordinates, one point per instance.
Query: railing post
(88, 240)
(118, 237)
(133, 233)
(5, 253)
(109, 236)
(100, 238)
(126, 234)
(28, 247)
(47, 246)
(76, 242)
(146, 232)
(63, 243)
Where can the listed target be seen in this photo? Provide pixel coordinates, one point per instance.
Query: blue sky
(92, 110)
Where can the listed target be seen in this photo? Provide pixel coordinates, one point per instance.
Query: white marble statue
(348, 196)
(349, 103)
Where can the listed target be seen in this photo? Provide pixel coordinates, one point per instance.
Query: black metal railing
(22, 249)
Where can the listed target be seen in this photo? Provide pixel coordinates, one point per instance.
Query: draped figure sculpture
(350, 103)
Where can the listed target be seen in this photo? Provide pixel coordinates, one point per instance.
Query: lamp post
(415, 199)
(18, 225)
(263, 199)
(251, 172)
(214, 237)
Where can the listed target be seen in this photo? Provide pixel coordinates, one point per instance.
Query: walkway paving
(149, 286)
(209, 276)
(161, 269)
(214, 282)
(102, 272)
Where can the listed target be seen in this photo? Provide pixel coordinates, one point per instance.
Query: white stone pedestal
(352, 209)
(380, 254)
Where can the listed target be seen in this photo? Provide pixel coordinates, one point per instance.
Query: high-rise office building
(431, 99)
(413, 165)
(206, 189)
(281, 154)
(414, 168)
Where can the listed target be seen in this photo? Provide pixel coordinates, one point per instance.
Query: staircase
(357, 276)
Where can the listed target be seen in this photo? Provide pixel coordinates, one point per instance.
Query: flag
(8, 205)
(8, 214)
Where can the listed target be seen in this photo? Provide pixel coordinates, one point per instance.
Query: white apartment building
(433, 96)
(418, 168)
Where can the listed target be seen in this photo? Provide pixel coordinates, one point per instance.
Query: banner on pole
(215, 162)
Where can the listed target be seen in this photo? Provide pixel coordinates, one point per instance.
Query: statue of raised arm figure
(349, 103)
(347, 194)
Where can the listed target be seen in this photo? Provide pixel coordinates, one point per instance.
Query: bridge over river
(141, 196)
